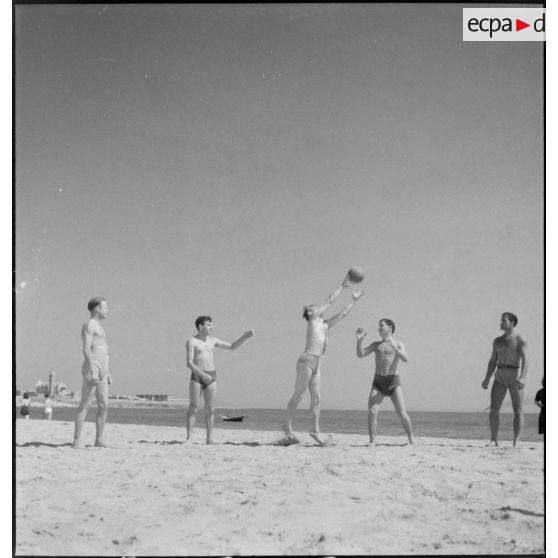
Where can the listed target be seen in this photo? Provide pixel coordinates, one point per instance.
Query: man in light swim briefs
(95, 371)
(386, 381)
(508, 359)
(203, 378)
(308, 365)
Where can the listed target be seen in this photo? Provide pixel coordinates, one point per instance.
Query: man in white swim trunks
(508, 359)
(203, 378)
(308, 373)
(95, 371)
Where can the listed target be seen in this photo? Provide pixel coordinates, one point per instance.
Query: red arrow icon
(519, 25)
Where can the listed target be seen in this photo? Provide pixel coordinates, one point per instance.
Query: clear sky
(236, 160)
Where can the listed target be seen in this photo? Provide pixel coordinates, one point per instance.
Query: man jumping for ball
(203, 380)
(309, 364)
(386, 381)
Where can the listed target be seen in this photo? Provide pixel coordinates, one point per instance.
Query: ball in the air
(356, 274)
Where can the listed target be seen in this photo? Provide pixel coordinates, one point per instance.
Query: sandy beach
(151, 493)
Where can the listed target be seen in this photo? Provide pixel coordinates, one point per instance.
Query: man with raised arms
(386, 381)
(203, 379)
(308, 373)
(95, 371)
(509, 355)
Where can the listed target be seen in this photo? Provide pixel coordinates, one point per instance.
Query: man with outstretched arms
(203, 378)
(95, 371)
(508, 359)
(386, 381)
(308, 365)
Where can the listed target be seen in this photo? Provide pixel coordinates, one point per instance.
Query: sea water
(473, 426)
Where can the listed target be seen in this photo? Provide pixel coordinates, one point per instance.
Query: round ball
(356, 274)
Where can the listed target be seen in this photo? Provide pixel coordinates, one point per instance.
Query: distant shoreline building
(154, 397)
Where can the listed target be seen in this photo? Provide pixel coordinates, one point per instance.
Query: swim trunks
(212, 373)
(310, 359)
(386, 384)
(99, 365)
(25, 410)
(506, 375)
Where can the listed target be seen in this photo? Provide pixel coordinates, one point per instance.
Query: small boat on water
(228, 418)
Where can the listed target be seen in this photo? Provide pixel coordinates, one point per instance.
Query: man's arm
(334, 295)
(198, 372)
(399, 349)
(491, 366)
(109, 377)
(235, 344)
(360, 352)
(87, 333)
(338, 317)
(524, 362)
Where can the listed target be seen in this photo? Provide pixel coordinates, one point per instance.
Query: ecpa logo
(503, 24)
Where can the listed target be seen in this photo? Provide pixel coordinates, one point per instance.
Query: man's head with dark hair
(389, 323)
(201, 320)
(94, 302)
(511, 317)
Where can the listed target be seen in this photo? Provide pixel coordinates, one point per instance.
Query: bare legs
(517, 404)
(497, 394)
(399, 404)
(101, 394)
(374, 402)
(303, 376)
(209, 394)
(306, 377)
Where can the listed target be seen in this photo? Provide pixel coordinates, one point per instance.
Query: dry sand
(154, 494)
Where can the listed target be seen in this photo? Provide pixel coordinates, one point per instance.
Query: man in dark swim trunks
(386, 381)
(203, 379)
(509, 356)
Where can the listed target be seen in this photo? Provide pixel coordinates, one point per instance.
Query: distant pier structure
(154, 397)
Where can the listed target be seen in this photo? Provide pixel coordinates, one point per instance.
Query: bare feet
(493, 443)
(412, 441)
(77, 445)
(372, 444)
(316, 436)
(288, 431)
(211, 442)
(290, 437)
(99, 444)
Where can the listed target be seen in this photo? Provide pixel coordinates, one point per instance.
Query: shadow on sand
(162, 442)
(43, 444)
(379, 445)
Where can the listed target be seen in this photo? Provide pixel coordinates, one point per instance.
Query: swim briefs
(311, 360)
(506, 375)
(212, 373)
(386, 384)
(99, 365)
